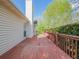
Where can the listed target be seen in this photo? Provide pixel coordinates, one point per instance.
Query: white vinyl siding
(11, 29)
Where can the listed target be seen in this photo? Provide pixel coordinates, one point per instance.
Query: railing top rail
(73, 37)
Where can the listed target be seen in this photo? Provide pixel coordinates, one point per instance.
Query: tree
(57, 13)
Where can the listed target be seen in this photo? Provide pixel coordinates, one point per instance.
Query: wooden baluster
(66, 44)
(77, 49)
(68, 47)
(71, 47)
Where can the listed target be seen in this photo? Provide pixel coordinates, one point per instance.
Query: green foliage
(72, 29)
(57, 14)
(57, 7)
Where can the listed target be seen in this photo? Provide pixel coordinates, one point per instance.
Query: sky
(20, 4)
(38, 6)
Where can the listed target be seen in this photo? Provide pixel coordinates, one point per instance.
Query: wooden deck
(40, 48)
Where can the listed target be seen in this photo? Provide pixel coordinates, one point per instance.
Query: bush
(72, 29)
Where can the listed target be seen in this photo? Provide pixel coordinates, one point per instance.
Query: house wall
(11, 29)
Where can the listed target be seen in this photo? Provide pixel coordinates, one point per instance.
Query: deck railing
(68, 43)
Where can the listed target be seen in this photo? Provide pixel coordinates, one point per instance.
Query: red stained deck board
(40, 48)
